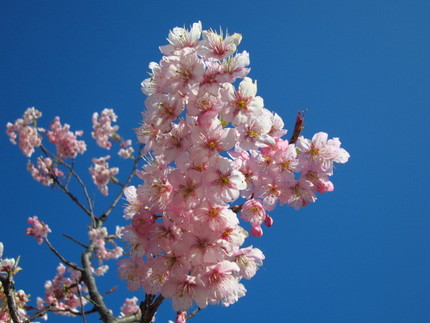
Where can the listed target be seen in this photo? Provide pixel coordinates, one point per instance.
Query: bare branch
(75, 241)
(63, 260)
(77, 177)
(74, 198)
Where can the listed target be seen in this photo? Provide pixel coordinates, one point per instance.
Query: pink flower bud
(257, 231)
(268, 221)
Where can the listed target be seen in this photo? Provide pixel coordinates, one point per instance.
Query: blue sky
(361, 68)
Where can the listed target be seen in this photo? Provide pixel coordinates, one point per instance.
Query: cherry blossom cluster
(37, 229)
(209, 145)
(21, 299)
(8, 267)
(103, 129)
(101, 174)
(99, 237)
(64, 294)
(7, 264)
(25, 129)
(130, 307)
(65, 141)
(45, 171)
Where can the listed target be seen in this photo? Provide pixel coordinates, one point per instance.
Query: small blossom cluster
(38, 229)
(99, 237)
(45, 171)
(129, 307)
(66, 142)
(103, 129)
(101, 174)
(64, 294)
(210, 144)
(21, 298)
(26, 131)
(7, 264)
(126, 151)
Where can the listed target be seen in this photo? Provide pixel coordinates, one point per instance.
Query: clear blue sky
(361, 68)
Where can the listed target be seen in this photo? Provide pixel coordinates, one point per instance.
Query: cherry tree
(207, 157)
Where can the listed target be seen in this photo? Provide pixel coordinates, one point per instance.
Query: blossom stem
(104, 216)
(78, 178)
(198, 309)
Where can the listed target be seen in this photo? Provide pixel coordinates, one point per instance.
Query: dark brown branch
(75, 241)
(77, 177)
(298, 127)
(63, 260)
(74, 198)
(9, 291)
(149, 308)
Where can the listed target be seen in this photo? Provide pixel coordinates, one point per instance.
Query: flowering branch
(215, 157)
(105, 214)
(8, 284)
(88, 278)
(88, 211)
(63, 260)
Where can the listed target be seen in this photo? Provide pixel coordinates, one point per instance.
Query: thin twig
(80, 301)
(77, 177)
(40, 313)
(104, 216)
(63, 260)
(74, 198)
(75, 241)
(198, 309)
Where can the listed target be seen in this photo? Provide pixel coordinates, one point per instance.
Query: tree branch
(9, 290)
(63, 260)
(89, 280)
(104, 216)
(77, 177)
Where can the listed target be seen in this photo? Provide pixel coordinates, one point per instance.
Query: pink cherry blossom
(184, 290)
(224, 181)
(216, 47)
(102, 174)
(249, 260)
(38, 229)
(180, 38)
(66, 141)
(45, 171)
(103, 129)
(253, 212)
(26, 131)
(130, 307)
